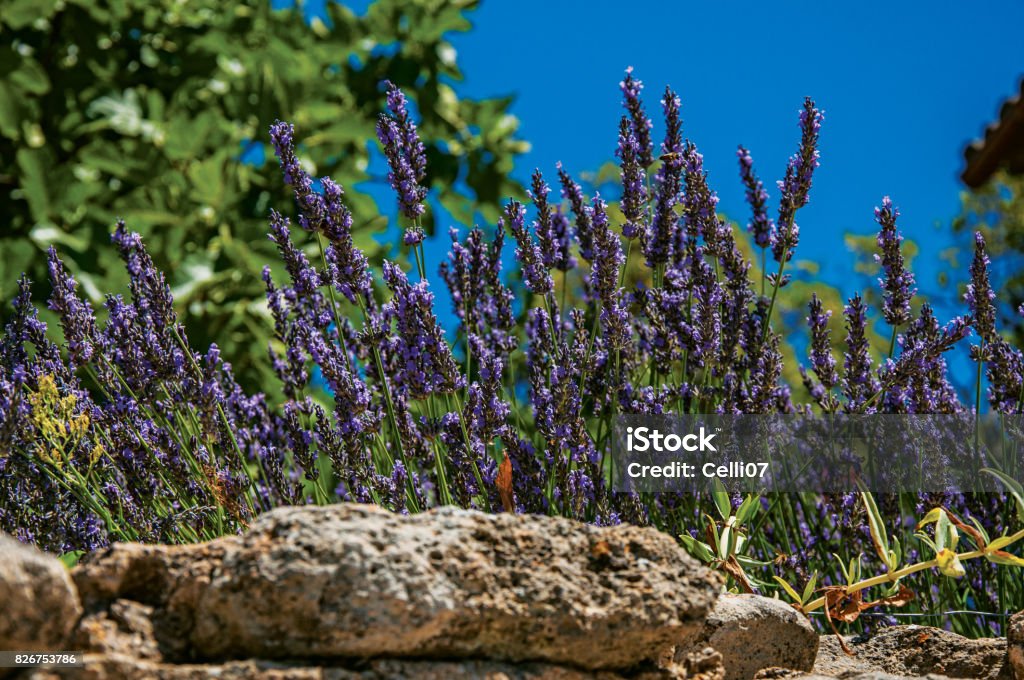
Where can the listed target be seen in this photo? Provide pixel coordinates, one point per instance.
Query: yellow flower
(949, 563)
(54, 417)
(79, 425)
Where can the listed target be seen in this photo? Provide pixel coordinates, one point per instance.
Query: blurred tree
(157, 111)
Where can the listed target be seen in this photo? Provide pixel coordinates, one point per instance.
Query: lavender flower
(406, 157)
(324, 213)
(482, 302)
(736, 296)
(584, 229)
(979, 293)
(634, 192)
(535, 274)
(425, 362)
(640, 124)
(822, 362)
(551, 227)
(760, 225)
(705, 315)
(796, 185)
(1005, 373)
(928, 389)
(173, 449)
(76, 317)
(608, 260)
(153, 313)
(859, 382)
(918, 359)
(897, 282)
(659, 237)
(699, 209)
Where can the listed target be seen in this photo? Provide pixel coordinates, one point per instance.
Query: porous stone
(754, 632)
(38, 602)
(1015, 645)
(127, 667)
(352, 581)
(785, 674)
(125, 627)
(915, 651)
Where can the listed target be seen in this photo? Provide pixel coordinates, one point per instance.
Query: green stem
(390, 406)
(892, 577)
(334, 301)
(775, 294)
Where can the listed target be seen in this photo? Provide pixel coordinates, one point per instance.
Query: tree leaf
(33, 181)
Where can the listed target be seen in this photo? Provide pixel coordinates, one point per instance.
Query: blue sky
(904, 86)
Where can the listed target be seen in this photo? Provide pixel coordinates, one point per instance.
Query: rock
(914, 651)
(784, 674)
(39, 603)
(1015, 645)
(166, 581)
(754, 632)
(126, 627)
(351, 581)
(704, 664)
(125, 667)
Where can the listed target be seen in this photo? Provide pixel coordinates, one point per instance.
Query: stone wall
(351, 591)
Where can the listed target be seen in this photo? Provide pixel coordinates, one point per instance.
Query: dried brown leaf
(504, 483)
(733, 568)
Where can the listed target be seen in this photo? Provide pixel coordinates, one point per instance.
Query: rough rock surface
(355, 593)
(915, 651)
(38, 602)
(1015, 644)
(754, 632)
(448, 593)
(704, 665)
(785, 674)
(121, 667)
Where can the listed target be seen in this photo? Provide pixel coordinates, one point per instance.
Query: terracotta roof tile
(1001, 147)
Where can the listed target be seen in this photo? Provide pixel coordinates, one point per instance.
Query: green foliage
(140, 109)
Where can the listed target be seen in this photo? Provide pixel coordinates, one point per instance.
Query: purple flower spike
(405, 152)
(424, 358)
(584, 227)
(668, 181)
(634, 192)
(979, 293)
(897, 282)
(761, 226)
(551, 227)
(608, 260)
(820, 354)
(859, 382)
(535, 274)
(796, 185)
(639, 122)
(76, 317)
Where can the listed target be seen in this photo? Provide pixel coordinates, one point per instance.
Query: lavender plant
(124, 431)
